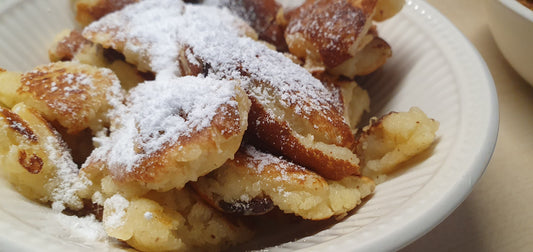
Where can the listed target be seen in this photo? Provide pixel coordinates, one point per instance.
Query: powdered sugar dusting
(66, 184)
(262, 159)
(161, 112)
(269, 74)
(72, 92)
(117, 206)
(160, 51)
(215, 40)
(81, 229)
(114, 92)
(148, 215)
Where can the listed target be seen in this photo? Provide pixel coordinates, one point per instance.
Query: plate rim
(429, 219)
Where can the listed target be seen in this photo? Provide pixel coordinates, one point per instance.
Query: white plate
(433, 67)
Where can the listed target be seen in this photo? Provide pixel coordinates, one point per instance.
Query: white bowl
(511, 24)
(433, 67)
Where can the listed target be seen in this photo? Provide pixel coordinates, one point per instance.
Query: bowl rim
(518, 8)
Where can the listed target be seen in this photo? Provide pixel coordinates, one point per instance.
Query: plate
(433, 67)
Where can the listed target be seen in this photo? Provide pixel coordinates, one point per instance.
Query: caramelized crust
(330, 161)
(15, 122)
(329, 31)
(74, 94)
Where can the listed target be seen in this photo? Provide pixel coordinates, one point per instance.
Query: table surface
(497, 215)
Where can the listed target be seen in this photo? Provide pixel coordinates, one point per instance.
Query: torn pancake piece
(367, 60)
(255, 181)
(171, 131)
(150, 33)
(76, 95)
(176, 220)
(71, 46)
(394, 138)
(36, 161)
(291, 110)
(327, 33)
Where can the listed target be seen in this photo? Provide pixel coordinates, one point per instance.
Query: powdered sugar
(216, 40)
(81, 229)
(114, 92)
(66, 182)
(148, 215)
(161, 112)
(116, 207)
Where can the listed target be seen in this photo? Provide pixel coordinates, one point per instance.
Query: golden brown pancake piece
(171, 131)
(34, 158)
(394, 138)
(255, 181)
(75, 95)
(329, 30)
(67, 46)
(70, 45)
(338, 37)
